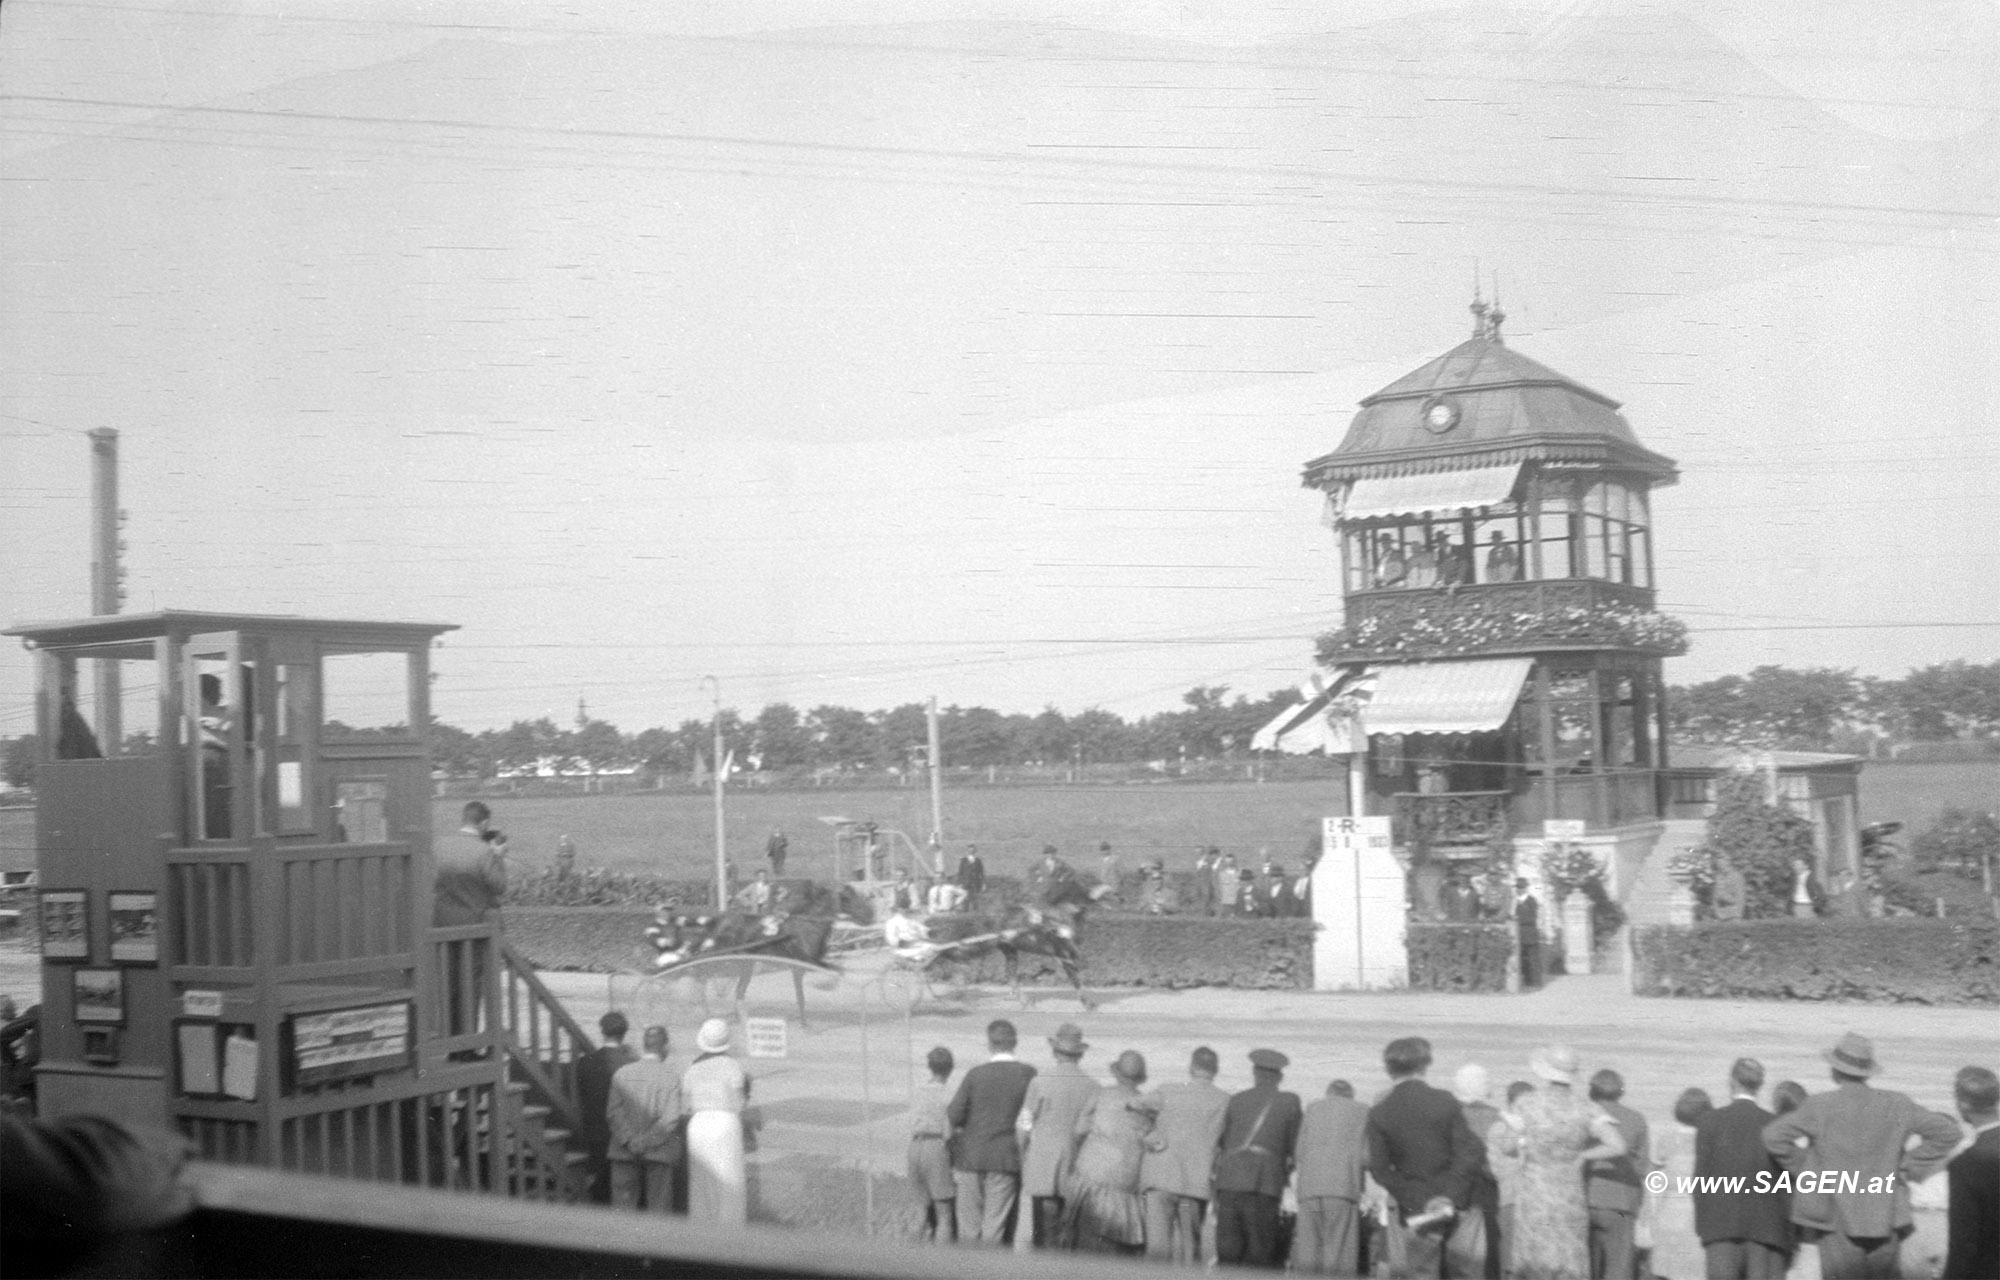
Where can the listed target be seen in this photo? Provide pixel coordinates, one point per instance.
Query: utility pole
(937, 786)
(106, 576)
(721, 840)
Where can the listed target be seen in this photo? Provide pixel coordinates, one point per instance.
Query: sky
(860, 353)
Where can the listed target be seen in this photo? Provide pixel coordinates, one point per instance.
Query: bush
(1759, 839)
(1961, 840)
(597, 887)
(1460, 957)
(1908, 961)
(1144, 951)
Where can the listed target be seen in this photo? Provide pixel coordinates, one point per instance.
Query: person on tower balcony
(1503, 562)
(1390, 569)
(1423, 571)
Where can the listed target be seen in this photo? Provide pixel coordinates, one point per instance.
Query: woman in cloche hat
(715, 1090)
(1554, 1130)
(1104, 1212)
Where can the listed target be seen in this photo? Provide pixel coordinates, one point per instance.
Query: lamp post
(721, 846)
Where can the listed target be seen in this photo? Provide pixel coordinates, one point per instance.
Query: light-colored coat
(1186, 1130)
(1056, 1097)
(1332, 1152)
(1864, 1130)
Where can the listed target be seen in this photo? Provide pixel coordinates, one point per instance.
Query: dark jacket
(1615, 1183)
(1975, 1210)
(593, 1092)
(1254, 1155)
(982, 1115)
(1420, 1147)
(971, 874)
(1729, 1142)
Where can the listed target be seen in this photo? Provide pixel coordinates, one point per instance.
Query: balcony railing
(1509, 617)
(1444, 823)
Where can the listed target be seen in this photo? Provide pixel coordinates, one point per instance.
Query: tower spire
(1495, 317)
(1478, 304)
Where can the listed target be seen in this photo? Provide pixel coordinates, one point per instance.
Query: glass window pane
(366, 695)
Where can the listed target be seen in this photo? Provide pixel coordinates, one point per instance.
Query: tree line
(1799, 708)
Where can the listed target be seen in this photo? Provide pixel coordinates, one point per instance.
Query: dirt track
(813, 1099)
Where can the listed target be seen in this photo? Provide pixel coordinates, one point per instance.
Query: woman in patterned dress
(1553, 1131)
(1103, 1210)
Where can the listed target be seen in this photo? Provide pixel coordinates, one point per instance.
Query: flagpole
(721, 848)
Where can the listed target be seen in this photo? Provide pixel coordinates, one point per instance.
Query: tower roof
(1484, 404)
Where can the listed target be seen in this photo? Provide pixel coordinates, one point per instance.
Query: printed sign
(201, 1004)
(1563, 828)
(764, 1037)
(1357, 833)
(349, 1042)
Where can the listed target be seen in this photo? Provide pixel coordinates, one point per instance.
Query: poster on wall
(135, 928)
(100, 994)
(343, 1043)
(65, 917)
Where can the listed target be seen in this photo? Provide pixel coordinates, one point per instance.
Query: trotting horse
(793, 935)
(1048, 929)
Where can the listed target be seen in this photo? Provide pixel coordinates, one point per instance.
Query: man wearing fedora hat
(1859, 1135)
(1055, 1099)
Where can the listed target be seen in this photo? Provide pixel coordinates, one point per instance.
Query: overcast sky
(860, 352)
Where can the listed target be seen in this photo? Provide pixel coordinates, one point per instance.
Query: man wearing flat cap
(1056, 1098)
(1253, 1162)
(1860, 1130)
(1424, 1154)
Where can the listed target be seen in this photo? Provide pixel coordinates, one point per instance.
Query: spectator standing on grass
(1424, 1154)
(1049, 1112)
(776, 849)
(1226, 882)
(930, 1158)
(565, 859)
(1974, 1197)
(972, 876)
(1744, 1235)
(1204, 899)
(1246, 895)
(1110, 872)
(1180, 1153)
(594, 1071)
(1864, 1131)
(647, 1145)
(1332, 1157)
(986, 1165)
(1613, 1187)
(1253, 1162)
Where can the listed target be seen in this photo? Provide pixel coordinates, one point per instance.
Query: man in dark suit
(1612, 1188)
(1861, 1135)
(1745, 1235)
(1528, 928)
(1424, 1154)
(593, 1093)
(1332, 1156)
(1974, 1206)
(972, 876)
(1253, 1161)
(987, 1167)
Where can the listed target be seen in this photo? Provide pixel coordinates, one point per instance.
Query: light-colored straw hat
(1555, 1063)
(713, 1036)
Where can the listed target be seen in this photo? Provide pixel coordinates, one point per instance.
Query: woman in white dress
(715, 1090)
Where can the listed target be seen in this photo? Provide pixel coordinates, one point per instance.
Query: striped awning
(1445, 697)
(1431, 492)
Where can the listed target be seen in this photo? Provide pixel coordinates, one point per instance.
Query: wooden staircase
(540, 1104)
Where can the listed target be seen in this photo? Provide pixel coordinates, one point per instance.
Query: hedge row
(1907, 960)
(1460, 957)
(1148, 951)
